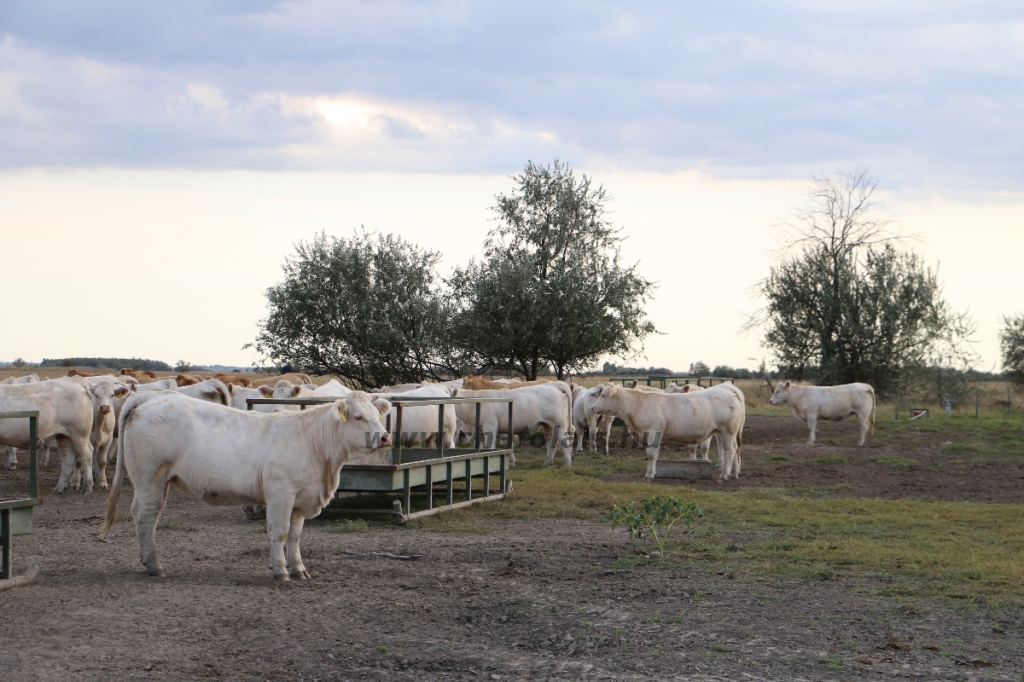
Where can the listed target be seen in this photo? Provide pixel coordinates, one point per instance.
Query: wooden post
(977, 404)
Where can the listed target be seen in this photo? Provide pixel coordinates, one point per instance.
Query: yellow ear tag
(341, 413)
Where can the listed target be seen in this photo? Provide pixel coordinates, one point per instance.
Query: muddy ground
(528, 599)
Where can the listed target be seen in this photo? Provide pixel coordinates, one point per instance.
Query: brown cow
(294, 377)
(475, 382)
(76, 373)
(230, 379)
(142, 375)
(187, 380)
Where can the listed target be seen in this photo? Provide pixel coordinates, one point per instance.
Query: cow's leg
(705, 448)
(812, 424)
(864, 422)
(12, 458)
(652, 459)
(279, 522)
(101, 464)
(67, 464)
(549, 441)
(295, 568)
(564, 441)
(592, 424)
(147, 505)
(48, 445)
(724, 459)
(608, 434)
(84, 450)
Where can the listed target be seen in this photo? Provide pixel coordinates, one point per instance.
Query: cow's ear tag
(341, 412)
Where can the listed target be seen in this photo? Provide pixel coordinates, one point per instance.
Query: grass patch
(779, 458)
(178, 525)
(956, 549)
(896, 462)
(829, 459)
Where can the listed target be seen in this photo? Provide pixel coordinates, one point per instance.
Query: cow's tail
(119, 469)
(873, 403)
(568, 394)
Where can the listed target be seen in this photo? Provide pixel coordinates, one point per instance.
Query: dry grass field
(903, 559)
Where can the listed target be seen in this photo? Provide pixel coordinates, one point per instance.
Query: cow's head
(105, 393)
(603, 397)
(781, 394)
(358, 423)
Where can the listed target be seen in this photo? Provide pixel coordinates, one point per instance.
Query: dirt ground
(527, 599)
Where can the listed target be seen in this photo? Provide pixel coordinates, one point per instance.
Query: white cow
(12, 452)
(239, 394)
(288, 461)
(688, 417)
(107, 398)
(685, 388)
(65, 411)
(584, 418)
(210, 390)
(544, 406)
(419, 424)
(159, 385)
(834, 403)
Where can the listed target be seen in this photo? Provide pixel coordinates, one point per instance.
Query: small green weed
(647, 516)
(779, 458)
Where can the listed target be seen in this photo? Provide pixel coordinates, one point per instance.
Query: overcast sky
(161, 159)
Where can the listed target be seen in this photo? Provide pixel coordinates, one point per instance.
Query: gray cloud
(927, 93)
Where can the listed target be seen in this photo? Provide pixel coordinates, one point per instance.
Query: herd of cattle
(198, 433)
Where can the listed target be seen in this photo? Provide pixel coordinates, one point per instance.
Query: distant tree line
(107, 363)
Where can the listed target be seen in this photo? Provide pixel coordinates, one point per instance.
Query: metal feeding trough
(425, 472)
(685, 468)
(16, 514)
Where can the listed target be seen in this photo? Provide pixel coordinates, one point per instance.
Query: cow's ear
(295, 391)
(231, 388)
(383, 406)
(455, 393)
(343, 410)
(788, 384)
(266, 391)
(122, 392)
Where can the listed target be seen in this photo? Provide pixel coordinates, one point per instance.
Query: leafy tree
(847, 305)
(369, 309)
(550, 288)
(182, 366)
(1011, 342)
(699, 369)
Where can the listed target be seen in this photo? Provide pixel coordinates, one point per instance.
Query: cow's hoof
(299, 575)
(281, 577)
(11, 467)
(156, 572)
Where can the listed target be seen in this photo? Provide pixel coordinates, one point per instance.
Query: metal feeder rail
(16, 514)
(421, 467)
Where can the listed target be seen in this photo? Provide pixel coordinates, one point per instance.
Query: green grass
(177, 525)
(957, 549)
(779, 458)
(896, 462)
(829, 459)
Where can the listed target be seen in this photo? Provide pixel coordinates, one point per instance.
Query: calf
(834, 403)
(289, 462)
(584, 418)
